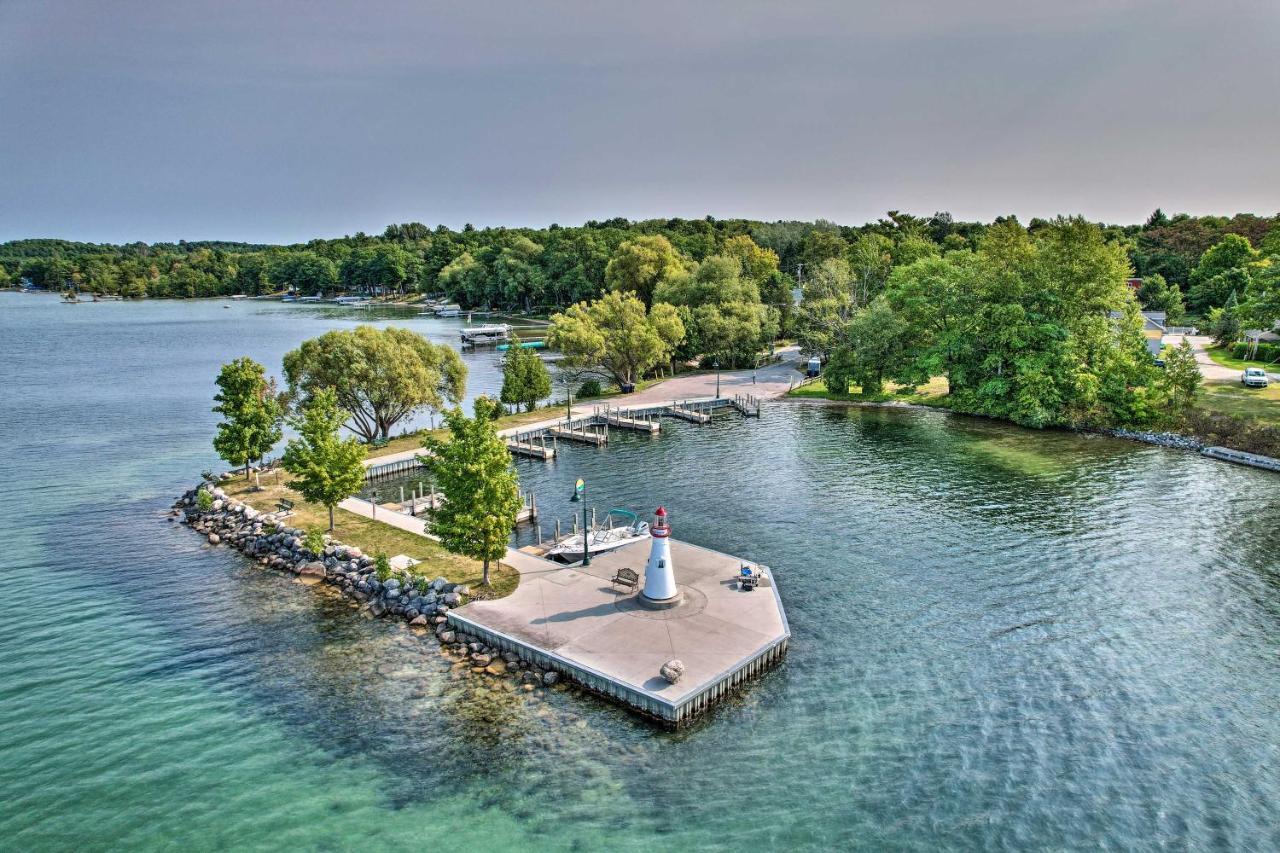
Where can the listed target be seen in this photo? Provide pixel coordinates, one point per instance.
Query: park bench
(626, 577)
(284, 506)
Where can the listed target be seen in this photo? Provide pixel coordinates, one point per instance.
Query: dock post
(402, 495)
(557, 530)
(593, 518)
(538, 525)
(575, 524)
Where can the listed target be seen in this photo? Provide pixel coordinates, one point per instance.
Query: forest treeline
(549, 268)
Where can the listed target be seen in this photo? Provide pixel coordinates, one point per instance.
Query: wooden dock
(747, 405)
(627, 419)
(531, 450)
(583, 430)
(686, 413)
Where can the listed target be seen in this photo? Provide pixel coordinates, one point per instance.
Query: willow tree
(251, 413)
(481, 493)
(379, 376)
(615, 337)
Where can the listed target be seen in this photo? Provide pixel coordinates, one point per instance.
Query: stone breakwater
(422, 604)
(1161, 439)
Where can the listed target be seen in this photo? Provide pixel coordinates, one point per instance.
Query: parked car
(1254, 377)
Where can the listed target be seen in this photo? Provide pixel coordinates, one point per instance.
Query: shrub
(1232, 431)
(204, 500)
(590, 388)
(382, 566)
(314, 540)
(1240, 351)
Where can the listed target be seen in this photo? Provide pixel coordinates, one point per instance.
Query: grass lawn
(932, 394)
(374, 537)
(1234, 399)
(413, 440)
(1224, 358)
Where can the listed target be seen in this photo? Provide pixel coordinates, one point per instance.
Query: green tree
(327, 469)
(481, 492)
(380, 376)
(640, 265)
(525, 378)
(1225, 323)
(1156, 294)
(251, 413)
(1181, 380)
(873, 348)
(616, 336)
(1211, 282)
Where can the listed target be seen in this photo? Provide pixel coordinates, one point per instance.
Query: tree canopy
(379, 376)
(481, 492)
(525, 379)
(327, 469)
(251, 413)
(616, 335)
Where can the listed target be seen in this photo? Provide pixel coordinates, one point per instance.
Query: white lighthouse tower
(660, 588)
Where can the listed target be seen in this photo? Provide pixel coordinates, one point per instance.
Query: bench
(284, 505)
(626, 577)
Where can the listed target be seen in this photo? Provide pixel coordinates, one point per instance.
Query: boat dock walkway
(575, 621)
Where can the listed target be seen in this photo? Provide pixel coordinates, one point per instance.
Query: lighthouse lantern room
(660, 590)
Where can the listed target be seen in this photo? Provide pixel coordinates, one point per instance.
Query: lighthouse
(660, 588)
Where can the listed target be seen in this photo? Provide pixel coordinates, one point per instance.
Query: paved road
(772, 381)
(1210, 369)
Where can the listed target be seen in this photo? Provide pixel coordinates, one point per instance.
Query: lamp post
(716, 365)
(373, 500)
(580, 496)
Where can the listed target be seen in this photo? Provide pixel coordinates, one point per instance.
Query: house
(1153, 329)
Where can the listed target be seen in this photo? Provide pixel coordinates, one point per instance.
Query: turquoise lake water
(1002, 639)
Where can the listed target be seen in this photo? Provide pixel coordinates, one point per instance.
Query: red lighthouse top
(660, 527)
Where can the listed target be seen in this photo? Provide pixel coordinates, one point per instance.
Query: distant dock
(572, 619)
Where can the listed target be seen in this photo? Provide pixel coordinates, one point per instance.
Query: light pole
(716, 365)
(580, 496)
(373, 500)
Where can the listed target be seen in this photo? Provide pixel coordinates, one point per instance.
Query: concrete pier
(596, 633)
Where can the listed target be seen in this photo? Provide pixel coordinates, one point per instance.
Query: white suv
(1254, 377)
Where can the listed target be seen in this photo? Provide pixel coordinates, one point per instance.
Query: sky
(283, 121)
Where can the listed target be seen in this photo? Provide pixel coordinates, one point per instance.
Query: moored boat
(622, 527)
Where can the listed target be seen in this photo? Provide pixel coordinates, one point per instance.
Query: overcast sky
(277, 122)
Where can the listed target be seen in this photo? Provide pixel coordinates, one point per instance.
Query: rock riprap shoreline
(424, 605)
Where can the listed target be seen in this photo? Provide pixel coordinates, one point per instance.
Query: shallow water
(1001, 639)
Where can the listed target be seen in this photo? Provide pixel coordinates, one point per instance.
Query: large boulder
(312, 572)
(549, 677)
(672, 671)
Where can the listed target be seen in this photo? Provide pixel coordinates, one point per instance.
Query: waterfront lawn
(934, 393)
(413, 440)
(1232, 398)
(1222, 356)
(374, 537)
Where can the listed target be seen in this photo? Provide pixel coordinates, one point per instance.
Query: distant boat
(523, 345)
(353, 301)
(449, 311)
(288, 298)
(310, 299)
(107, 297)
(490, 334)
(239, 296)
(601, 540)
